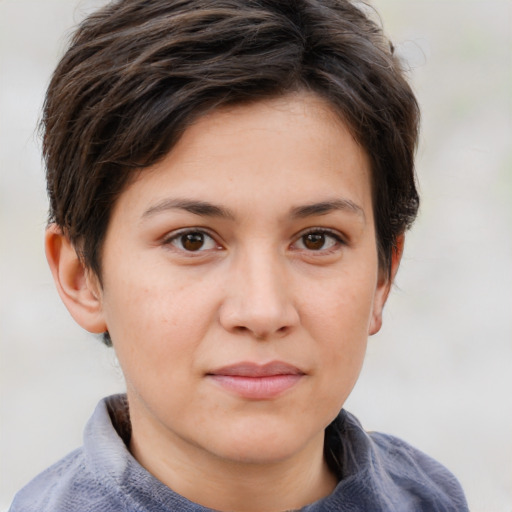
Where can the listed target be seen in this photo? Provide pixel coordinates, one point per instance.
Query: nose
(259, 298)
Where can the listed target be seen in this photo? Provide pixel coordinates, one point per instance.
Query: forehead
(293, 149)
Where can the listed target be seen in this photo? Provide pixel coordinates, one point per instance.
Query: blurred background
(439, 374)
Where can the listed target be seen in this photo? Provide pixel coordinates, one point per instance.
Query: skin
(248, 285)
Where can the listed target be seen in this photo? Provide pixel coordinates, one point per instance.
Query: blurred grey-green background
(439, 374)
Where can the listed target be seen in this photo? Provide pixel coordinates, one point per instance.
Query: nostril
(251, 315)
(262, 334)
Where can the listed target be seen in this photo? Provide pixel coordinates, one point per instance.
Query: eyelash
(327, 233)
(324, 232)
(177, 236)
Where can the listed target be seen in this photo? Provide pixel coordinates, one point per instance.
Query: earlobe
(78, 289)
(384, 286)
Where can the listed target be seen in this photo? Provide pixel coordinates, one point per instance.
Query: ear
(384, 286)
(78, 288)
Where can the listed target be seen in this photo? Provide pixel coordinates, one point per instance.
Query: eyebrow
(206, 209)
(202, 208)
(325, 207)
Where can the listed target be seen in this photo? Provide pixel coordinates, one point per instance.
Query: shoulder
(66, 486)
(385, 473)
(89, 478)
(102, 476)
(425, 476)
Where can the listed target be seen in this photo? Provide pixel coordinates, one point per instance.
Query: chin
(261, 451)
(263, 442)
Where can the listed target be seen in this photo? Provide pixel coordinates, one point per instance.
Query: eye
(318, 240)
(192, 241)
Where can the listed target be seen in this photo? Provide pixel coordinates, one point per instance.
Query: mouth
(257, 382)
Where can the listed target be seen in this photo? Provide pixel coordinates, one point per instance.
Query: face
(240, 281)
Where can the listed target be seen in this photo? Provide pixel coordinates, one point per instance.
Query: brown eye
(192, 241)
(314, 241)
(319, 240)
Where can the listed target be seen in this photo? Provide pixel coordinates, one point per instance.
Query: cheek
(338, 319)
(154, 345)
(156, 324)
(150, 296)
(340, 308)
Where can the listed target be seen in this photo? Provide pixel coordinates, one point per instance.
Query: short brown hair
(138, 72)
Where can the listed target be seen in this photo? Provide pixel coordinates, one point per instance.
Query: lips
(257, 382)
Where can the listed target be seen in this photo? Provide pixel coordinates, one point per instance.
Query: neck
(226, 485)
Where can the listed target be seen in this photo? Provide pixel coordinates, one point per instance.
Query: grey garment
(377, 473)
